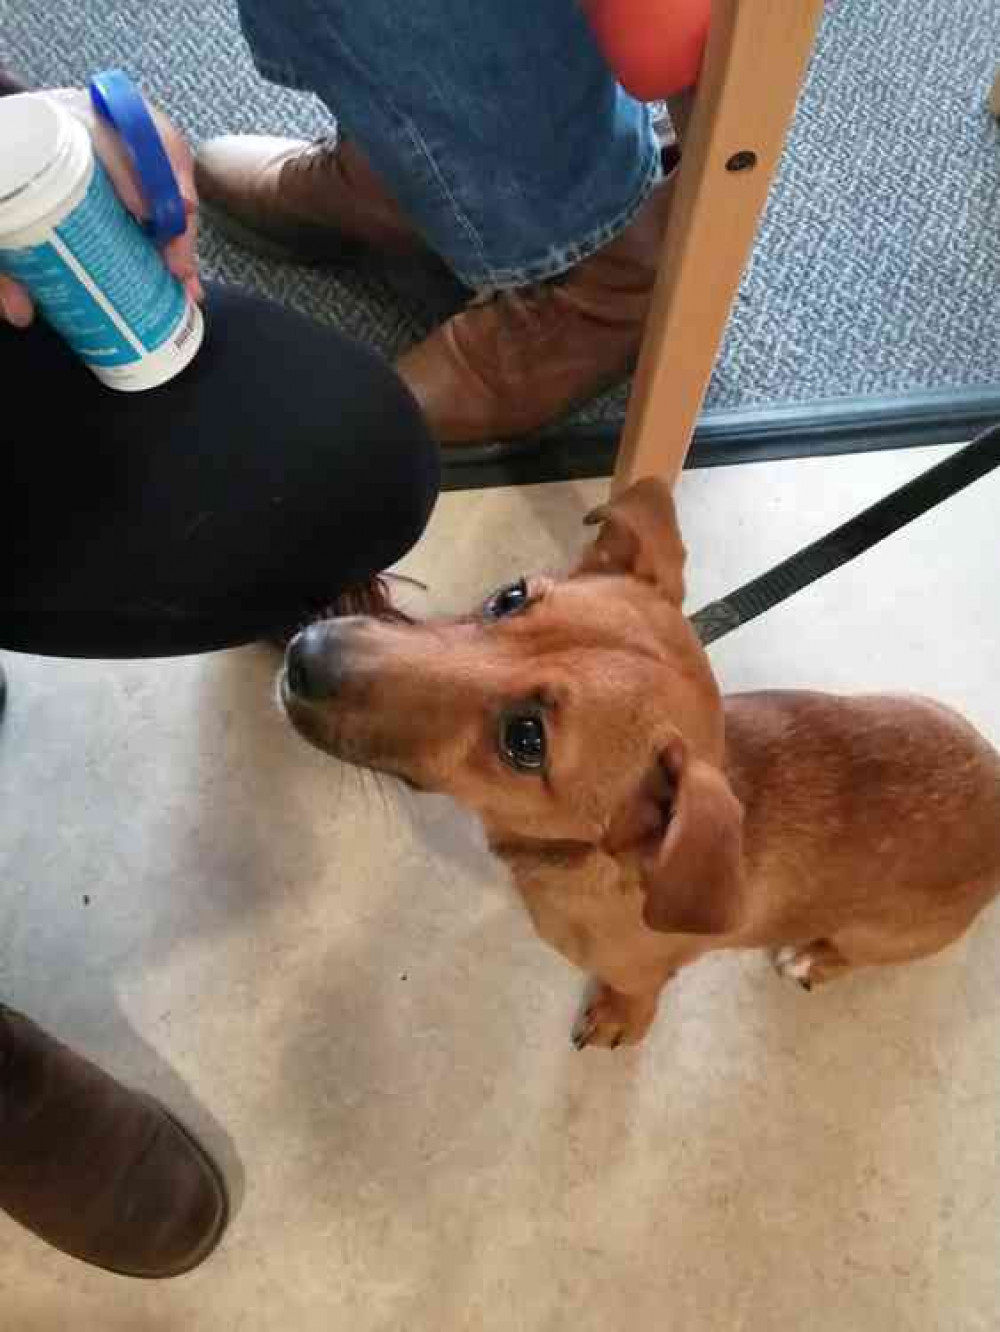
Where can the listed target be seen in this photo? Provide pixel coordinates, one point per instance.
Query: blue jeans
(497, 125)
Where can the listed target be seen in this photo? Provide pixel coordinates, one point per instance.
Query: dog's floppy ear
(694, 884)
(639, 535)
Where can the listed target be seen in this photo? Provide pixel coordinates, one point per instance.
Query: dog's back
(874, 817)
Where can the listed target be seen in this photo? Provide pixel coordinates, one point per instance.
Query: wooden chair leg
(995, 96)
(757, 55)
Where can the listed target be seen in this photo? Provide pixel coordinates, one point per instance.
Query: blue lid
(117, 100)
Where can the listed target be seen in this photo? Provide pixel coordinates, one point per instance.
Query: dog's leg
(824, 960)
(811, 965)
(622, 1005)
(587, 915)
(626, 989)
(612, 1018)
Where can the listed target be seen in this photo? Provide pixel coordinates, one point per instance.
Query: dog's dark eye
(522, 741)
(508, 600)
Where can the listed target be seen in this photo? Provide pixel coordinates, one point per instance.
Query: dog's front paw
(612, 1019)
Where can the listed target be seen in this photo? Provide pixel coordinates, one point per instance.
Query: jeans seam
(419, 144)
(461, 217)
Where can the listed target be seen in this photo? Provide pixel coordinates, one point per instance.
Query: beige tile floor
(333, 985)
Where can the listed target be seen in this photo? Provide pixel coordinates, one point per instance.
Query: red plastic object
(655, 47)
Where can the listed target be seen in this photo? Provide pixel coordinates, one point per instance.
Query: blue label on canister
(100, 281)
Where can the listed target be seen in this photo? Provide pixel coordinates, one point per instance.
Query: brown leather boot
(312, 202)
(10, 83)
(516, 360)
(96, 1170)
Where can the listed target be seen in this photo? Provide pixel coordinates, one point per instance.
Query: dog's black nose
(295, 671)
(312, 663)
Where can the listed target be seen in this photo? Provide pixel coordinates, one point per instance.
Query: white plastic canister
(91, 270)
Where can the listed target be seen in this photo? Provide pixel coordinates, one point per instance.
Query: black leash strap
(852, 539)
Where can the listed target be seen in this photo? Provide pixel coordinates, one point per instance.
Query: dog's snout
(313, 663)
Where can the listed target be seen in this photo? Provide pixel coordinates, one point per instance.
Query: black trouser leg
(284, 466)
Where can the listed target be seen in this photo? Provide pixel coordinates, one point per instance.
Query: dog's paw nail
(795, 965)
(584, 1031)
(598, 1030)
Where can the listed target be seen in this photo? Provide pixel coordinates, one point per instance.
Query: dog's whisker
(341, 782)
(379, 796)
(363, 777)
(388, 802)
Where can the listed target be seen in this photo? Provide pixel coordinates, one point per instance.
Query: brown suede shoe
(312, 202)
(96, 1170)
(516, 360)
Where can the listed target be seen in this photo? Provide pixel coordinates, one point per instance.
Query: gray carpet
(878, 264)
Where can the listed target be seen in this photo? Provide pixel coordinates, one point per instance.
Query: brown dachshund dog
(646, 819)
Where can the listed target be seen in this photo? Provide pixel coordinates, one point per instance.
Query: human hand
(180, 253)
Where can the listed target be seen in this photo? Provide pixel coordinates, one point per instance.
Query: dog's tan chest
(589, 907)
